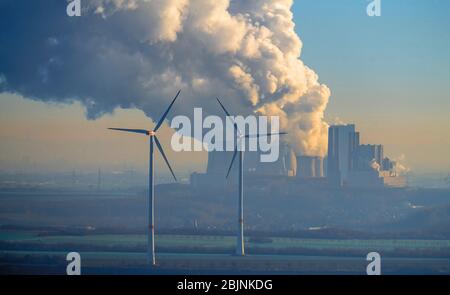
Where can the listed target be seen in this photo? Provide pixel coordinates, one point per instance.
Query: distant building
(388, 164)
(391, 179)
(291, 163)
(219, 161)
(309, 167)
(350, 163)
(318, 167)
(216, 170)
(366, 153)
(342, 143)
(365, 179)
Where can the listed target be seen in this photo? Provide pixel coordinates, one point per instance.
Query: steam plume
(137, 53)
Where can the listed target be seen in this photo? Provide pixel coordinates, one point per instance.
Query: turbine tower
(240, 245)
(151, 187)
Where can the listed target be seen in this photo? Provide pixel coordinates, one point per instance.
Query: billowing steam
(400, 167)
(374, 165)
(132, 53)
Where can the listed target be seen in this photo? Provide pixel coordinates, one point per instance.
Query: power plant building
(219, 161)
(366, 153)
(343, 141)
(309, 167)
(348, 163)
(352, 164)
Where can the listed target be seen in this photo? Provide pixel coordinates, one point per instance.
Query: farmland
(118, 253)
(211, 242)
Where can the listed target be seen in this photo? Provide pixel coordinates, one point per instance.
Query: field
(24, 251)
(212, 242)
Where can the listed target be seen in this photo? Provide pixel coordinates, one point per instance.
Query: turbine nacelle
(152, 134)
(141, 131)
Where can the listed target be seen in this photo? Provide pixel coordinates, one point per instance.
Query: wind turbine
(240, 247)
(151, 188)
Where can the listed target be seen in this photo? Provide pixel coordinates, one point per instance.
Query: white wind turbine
(153, 140)
(240, 247)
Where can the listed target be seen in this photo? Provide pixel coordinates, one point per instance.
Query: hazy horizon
(388, 75)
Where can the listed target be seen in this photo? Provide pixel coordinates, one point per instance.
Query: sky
(389, 75)
(37, 136)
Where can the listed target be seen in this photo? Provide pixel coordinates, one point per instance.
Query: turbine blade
(164, 156)
(265, 134)
(229, 116)
(224, 109)
(142, 131)
(232, 161)
(166, 112)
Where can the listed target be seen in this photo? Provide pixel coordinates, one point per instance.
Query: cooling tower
(318, 167)
(306, 166)
(218, 162)
(291, 163)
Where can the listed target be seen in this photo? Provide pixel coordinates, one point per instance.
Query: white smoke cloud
(374, 165)
(400, 168)
(336, 121)
(137, 53)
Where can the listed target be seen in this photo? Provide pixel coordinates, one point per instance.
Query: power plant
(352, 164)
(348, 163)
(309, 167)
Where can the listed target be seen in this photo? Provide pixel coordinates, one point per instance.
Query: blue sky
(395, 59)
(389, 74)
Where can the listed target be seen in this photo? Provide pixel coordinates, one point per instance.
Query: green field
(31, 252)
(212, 242)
